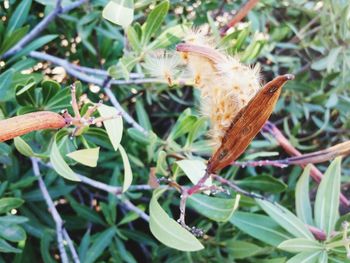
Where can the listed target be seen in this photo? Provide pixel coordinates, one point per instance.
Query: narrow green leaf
(286, 219)
(45, 247)
(7, 248)
(138, 136)
(127, 169)
(12, 39)
(242, 249)
(217, 209)
(168, 37)
(134, 41)
(8, 203)
(305, 257)
(34, 45)
(99, 245)
(260, 227)
(13, 233)
(13, 219)
(87, 157)
(327, 198)
(297, 245)
(142, 115)
(60, 165)
(182, 126)
(154, 21)
(87, 213)
(6, 92)
(167, 231)
(23, 147)
(84, 245)
(114, 127)
(302, 199)
(323, 258)
(19, 17)
(265, 183)
(120, 12)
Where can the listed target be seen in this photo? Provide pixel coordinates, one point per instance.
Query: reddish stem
(291, 150)
(240, 15)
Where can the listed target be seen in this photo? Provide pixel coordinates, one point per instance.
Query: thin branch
(55, 215)
(80, 72)
(124, 114)
(341, 149)
(240, 15)
(41, 26)
(291, 150)
(130, 206)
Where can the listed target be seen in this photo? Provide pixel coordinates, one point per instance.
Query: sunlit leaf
(114, 127)
(127, 169)
(286, 219)
(297, 245)
(260, 227)
(305, 257)
(87, 157)
(120, 12)
(217, 209)
(23, 147)
(167, 230)
(194, 170)
(327, 198)
(302, 199)
(60, 165)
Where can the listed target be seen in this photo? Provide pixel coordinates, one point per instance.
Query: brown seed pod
(247, 124)
(17, 126)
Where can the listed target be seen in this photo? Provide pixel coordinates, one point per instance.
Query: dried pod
(17, 126)
(247, 124)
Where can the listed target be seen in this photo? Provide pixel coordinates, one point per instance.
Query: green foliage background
(307, 38)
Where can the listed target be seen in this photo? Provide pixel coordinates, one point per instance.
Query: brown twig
(291, 150)
(240, 15)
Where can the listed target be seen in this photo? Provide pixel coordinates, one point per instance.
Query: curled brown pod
(20, 125)
(247, 124)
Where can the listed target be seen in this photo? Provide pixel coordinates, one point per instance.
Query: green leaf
(84, 245)
(194, 170)
(168, 37)
(7, 248)
(25, 94)
(265, 183)
(12, 233)
(34, 45)
(114, 127)
(323, 257)
(86, 212)
(167, 231)
(138, 136)
(241, 249)
(286, 219)
(327, 198)
(297, 245)
(60, 165)
(120, 12)
(11, 40)
(100, 244)
(127, 169)
(302, 199)
(142, 116)
(87, 157)
(134, 41)
(45, 247)
(183, 125)
(154, 21)
(6, 92)
(305, 257)
(19, 16)
(23, 147)
(217, 209)
(49, 89)
(13, 219)
(260, 227)
(8, 203)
